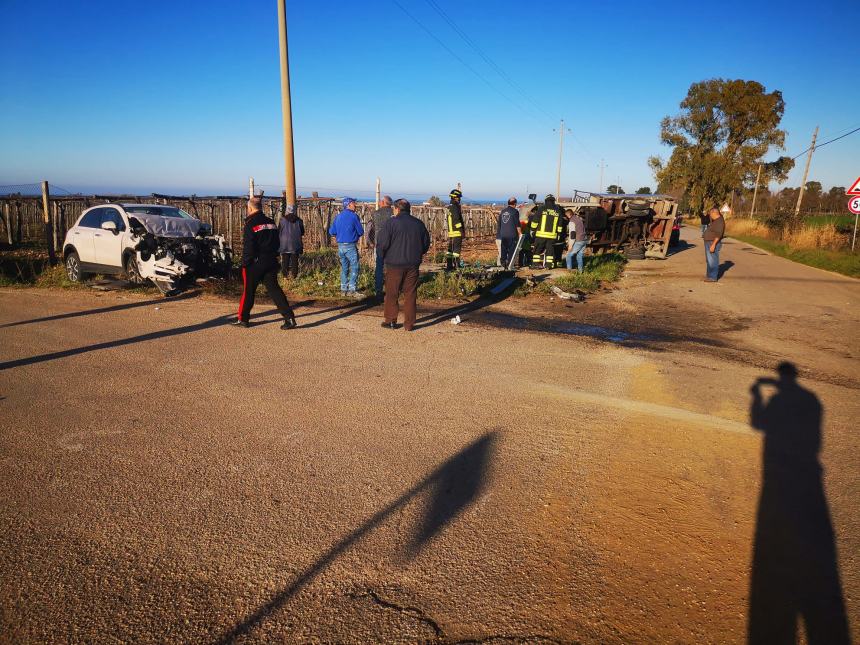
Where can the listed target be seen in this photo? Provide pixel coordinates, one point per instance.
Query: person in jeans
(713, 237)
(576, 241)
(291, 229)
(508, 232)
(377, 221)
(347, 230)
(402, 242)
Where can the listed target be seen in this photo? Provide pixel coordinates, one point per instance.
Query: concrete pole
(558, 170)
(286, 106)
(377, 193)
(755, 191)
(250, 187)
(601, 188)
(805, 175)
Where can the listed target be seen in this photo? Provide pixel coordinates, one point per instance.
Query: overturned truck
(640, 226)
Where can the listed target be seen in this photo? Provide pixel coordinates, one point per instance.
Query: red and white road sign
(855, 189)
(854, 204)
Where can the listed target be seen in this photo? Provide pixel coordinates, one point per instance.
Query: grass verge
(846, 263)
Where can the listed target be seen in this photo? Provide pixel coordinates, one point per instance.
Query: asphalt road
(539, 473)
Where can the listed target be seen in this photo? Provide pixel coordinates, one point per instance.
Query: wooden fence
(23, 217)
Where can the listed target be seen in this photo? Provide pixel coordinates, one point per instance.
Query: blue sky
(185, 97)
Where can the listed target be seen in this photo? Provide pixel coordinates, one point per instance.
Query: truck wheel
(73, 267)
(132, 272)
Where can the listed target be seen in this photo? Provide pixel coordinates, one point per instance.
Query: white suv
(145, 242)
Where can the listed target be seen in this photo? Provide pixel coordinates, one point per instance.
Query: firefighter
(456, 231)
(260, 264)
(544, 229)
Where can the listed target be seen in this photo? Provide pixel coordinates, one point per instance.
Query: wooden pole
(755, 191)
(46, 212)
(230, 221)
(7, 214)
(286, 106)
(805, 175)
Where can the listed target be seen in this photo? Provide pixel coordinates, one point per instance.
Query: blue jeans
(379, 275)
(578, 250)
(348, 254)
(713, 260)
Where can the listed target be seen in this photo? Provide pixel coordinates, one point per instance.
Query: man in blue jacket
(347, 229)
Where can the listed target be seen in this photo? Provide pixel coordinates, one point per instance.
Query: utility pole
(377, 193)
(286, 106)
(755, 191)
(805, 175)
(602, 166)
(560, 149)
(250, 188)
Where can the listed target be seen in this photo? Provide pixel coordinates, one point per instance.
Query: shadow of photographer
(795, 574)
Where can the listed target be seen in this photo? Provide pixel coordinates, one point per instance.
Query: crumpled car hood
(168, 226)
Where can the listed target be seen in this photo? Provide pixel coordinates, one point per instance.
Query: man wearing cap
(456, 231)
(347, 229)
(377, 221)
(402, 243)
(508, 231)
(260, 264)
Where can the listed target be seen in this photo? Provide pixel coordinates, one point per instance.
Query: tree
(615, 190)
(644, 190)
(811, 196)
(723, 131)
(434, 201)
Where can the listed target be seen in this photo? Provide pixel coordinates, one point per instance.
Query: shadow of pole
(103, 310)
(795, 572)
(455, 485)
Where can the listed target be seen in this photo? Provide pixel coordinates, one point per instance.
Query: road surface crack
(415, 612)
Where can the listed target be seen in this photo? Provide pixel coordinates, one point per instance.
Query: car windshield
(163, 211)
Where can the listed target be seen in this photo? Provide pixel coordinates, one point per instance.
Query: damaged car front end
(173, 249)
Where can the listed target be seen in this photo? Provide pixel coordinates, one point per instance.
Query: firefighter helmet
(455, 194)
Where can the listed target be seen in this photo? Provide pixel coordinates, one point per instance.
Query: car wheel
(73, 267)
(132, 271)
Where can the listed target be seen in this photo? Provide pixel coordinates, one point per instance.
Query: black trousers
(508, 246)
(290, 264)
(452, 257)
(267, 273)
(543, 245)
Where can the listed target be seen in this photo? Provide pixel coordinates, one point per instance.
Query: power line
(465, 37)
(501, 72)
(463, 62)
(821, 145)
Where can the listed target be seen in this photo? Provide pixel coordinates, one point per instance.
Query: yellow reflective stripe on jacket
(452, 228)
(547, 228)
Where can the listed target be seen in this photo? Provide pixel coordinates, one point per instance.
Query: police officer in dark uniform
(260, 264)
(544, 229)
(456, 231)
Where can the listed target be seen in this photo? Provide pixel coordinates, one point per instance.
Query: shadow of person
(794, 572)
(724, 267)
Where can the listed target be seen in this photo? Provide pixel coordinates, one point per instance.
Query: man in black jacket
(260, 264)
(508, 231)
(402, 242)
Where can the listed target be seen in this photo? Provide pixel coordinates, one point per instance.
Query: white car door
(82, 237)
(109, 244)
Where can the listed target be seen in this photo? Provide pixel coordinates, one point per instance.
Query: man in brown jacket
(713, 237)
